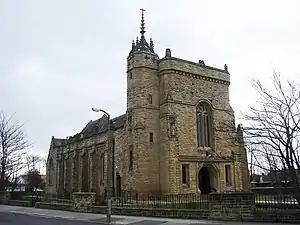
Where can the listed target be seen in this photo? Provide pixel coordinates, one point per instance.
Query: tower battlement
(142, 55)
(193, 69)
(142, 60)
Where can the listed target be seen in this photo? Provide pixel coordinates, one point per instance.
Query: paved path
(19, 219)
(100, 218)
(15, 215)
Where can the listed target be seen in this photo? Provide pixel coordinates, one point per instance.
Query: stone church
(177, 135)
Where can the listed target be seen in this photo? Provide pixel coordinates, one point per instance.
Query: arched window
(204, 124)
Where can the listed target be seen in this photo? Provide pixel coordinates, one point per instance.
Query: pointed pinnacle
(143, 23)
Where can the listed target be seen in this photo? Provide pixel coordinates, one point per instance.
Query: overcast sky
(59, 58)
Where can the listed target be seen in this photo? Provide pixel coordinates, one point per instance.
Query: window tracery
(204, 124)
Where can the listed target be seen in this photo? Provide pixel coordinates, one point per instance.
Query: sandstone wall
(143, 107)
(158, 92)
(51, 172)
(182, 86)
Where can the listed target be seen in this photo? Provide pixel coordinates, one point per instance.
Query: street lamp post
(109, 166)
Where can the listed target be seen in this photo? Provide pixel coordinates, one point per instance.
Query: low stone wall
(232, 206)
(278, 216)
(20, 203)
(155, 212)
(83, 201)
(222, 206)
(291, 216)
(54, 205)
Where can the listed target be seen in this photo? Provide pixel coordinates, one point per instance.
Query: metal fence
(263, 202)
(171, 201)
(195, 201)
(37, 197)
(271, 202)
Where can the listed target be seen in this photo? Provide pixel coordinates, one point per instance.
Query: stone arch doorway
(118, 184)
(207, 179)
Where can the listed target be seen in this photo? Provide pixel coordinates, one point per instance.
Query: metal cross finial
(143, 22)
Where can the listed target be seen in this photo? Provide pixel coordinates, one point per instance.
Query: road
(18, 219)
(7, 218)
(14, 215)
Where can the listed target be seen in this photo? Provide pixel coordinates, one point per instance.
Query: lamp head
(95, 110)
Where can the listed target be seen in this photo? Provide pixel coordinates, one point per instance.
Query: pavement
(15, 215)
(19, 219)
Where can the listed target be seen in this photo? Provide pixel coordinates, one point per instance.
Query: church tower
(142, 114)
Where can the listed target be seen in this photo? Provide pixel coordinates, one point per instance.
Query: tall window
(151, 138)
(150, 99)
(102, 167)
(204, 124)
(228, 174)
(185, 174)
(129, 120)
(130, 157)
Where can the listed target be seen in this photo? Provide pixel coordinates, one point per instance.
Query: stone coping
(153, 209)
(233, 193)
(84, 193)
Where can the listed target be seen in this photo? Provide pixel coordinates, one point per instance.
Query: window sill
(204, 148)
(173, 138)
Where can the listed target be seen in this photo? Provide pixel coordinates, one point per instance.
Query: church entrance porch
(207, 179)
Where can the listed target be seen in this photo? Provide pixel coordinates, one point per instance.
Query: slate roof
(101, 125)
(93, 127)
(58, 141)
(119, 121)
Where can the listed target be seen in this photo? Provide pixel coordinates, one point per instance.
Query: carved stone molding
(169, 96)
(207, 159)
(197, 76)
(139, 125)
(83, 152)
(74, 154)
(172, 128)
(92, 151)
(59, 158)
(66, 156)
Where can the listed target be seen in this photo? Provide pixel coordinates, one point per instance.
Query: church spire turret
(142, 44)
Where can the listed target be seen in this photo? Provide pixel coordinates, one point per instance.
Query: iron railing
(273, 202)
(264, 202)
(171, 201)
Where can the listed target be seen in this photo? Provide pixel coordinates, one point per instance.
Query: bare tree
(33, 161)
(14, 183)
(13, 146)
(273, 130)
